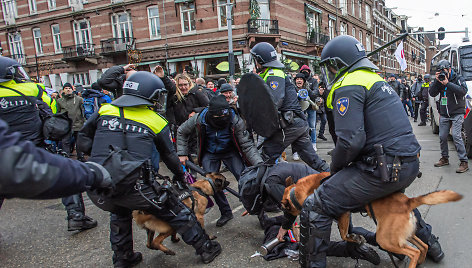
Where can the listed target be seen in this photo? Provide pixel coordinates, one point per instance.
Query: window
(82, 33)
(343, 6)
(9, 10)
(56, 37)
(332, 31)
(52, 4)
(360, 37)
(342, 29)
(122, 27)
(360, 10)
(264, 8)
(154, 24)
(187, 16)
(454, 61)
(314, 21)
(38, 44)
(16, 47)
(367, 43)
(222, 7)
(353, 32)
(353, 7)
(82, 78)
(32, 6)
(367, 15)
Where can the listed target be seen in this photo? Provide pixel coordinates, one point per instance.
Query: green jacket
(74, 107)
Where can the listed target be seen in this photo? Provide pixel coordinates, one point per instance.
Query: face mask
(218, 121)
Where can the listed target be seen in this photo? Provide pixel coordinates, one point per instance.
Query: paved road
(34, 233)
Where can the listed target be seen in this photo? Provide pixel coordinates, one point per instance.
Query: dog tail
(434, 198)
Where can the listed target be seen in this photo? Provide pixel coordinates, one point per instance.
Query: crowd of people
(130, 121)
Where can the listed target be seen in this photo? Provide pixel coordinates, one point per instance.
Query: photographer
(451, 88)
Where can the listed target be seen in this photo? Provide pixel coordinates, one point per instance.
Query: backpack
(90, 106)
(251, 188)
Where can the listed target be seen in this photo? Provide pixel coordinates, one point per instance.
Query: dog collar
(212, 184)
(294, 199)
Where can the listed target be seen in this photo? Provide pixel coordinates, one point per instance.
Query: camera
(442, 75)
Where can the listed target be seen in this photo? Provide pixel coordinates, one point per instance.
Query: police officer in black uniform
(144, 128)
(295, 128)
(367, 112)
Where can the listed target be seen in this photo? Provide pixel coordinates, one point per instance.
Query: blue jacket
(34, 173)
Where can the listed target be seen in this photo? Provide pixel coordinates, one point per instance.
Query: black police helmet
(10, 69)
(444, 64)
(343, 53)
(265, 54)
(141, 88)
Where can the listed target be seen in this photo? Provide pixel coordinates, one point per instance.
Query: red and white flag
(400, 56)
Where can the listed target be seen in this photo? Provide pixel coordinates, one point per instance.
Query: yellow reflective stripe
(362, 77)
(425, 85)
(140, 114)
(276, 72)
(29, 89)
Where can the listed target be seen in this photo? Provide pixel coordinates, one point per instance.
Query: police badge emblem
(342, 104)
(274, 85)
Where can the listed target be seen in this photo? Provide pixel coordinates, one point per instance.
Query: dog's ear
(285, 204)
(218, 183)
(288, 181)
(226, 184)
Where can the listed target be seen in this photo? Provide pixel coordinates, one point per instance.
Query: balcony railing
(117, 45)
(20, 58)
(317, 38)
(78, 52)
(261, 26)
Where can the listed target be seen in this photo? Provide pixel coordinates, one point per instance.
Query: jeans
(212, 163)
(445, 123)
(311, 118)
(322, 118)
(410, 107)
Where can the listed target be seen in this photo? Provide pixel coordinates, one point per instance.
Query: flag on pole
(400, 56)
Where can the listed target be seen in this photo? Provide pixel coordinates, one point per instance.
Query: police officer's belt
(371, 160)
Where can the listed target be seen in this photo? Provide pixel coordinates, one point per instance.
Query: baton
(202, 172)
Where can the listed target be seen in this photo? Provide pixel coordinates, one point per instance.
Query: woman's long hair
(178, 93)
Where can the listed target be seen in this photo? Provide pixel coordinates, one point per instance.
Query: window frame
(81, 78)
(33, 7)
(157, 18)
(10, 5)
(187, 13)
(56, 37)
(117, 25)
(38, 43)
(52, 5)
(219, 11)
(78, 31)
(13, 46)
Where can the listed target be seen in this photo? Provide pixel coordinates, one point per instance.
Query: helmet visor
(330, 70)
(160, 100)
(18, 73)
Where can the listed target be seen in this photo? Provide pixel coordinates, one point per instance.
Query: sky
(453, 15)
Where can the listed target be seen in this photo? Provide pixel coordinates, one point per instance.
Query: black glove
(179, 181)
(103, 184)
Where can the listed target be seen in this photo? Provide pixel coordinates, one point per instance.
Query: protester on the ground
(451, 88)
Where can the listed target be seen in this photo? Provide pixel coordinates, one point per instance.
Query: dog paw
(169, 252)
(356, 238)
(174, 239)
(212, 237)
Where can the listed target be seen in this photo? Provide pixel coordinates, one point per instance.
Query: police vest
(272, 72)
(362, 77)
(22, 115)
(425, 85)
(141, 125)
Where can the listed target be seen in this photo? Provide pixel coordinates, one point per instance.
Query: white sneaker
(314, 147)
(295, 156)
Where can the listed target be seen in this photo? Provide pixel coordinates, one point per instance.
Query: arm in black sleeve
(202, 101)
(170, 87)
(349, 124)
(435, 88)
(112, 79)
(167, 151)
(460, 89)
(86, 134)
(31, 172)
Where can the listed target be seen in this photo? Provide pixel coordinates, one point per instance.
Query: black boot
(434, 249)
(78, 222)
(363, 252)
(209, 250)
(224, 219)
(371, 240)
(126, 260)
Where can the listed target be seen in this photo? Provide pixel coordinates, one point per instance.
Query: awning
(304, 56)
(209, 56)
(148, 62)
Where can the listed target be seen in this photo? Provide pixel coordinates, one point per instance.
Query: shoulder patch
(274, 85)
(342, 104)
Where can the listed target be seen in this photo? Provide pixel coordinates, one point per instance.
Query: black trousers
(74, 205)
(332, 132)
(416, 109)
(296, 134)
(121, 207)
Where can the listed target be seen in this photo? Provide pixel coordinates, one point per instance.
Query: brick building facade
(77, 40)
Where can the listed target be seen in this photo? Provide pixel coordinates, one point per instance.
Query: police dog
(396, 222)
(152, 224)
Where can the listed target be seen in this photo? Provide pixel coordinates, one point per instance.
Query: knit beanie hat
(67, 85)
(218, 103)
(226, 87)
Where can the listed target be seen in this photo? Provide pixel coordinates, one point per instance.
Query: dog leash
(371, 210)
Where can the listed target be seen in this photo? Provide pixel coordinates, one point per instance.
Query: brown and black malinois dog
(396, 223)
(201, 189)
